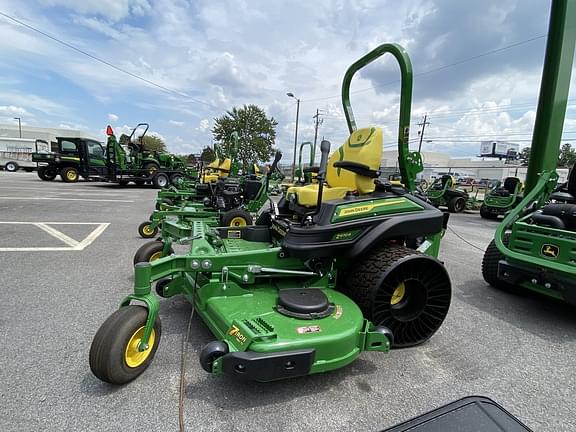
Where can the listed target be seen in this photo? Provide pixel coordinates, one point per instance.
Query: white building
(47, 134)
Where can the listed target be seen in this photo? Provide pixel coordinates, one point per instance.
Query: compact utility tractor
(341, 266)
(443, 193)
(535, 245)
(503, 197)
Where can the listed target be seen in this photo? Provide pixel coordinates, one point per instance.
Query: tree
(256, 131)
(524, 155)
(153, 143)
(567, 156)
(208, 155)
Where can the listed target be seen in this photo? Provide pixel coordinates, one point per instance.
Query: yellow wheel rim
(155, 256)
(71, 175)
(238, 221)
(398, 294)
(147, 230)
(152, 169)
(132, 356)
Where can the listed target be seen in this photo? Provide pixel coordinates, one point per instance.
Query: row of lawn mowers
(341, 264)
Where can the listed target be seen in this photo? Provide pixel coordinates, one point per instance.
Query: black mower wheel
(457, 204)
(210, 352)
(151, 168)
(46, 174)
(175, 179)
(490, 266)
(69, 175)
(160, 181)
(150, 252)
(160, 286)
(403, 290)
(146, 231)
(486, 214)
(236, 218)
(114, 355)
(11, 167)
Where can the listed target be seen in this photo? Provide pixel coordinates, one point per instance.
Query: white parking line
(73, 245)
(62, 199)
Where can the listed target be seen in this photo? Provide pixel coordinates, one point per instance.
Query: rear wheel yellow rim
(238, 221)
(147, 230)
(132, 356)
(398, 294)
(155, 256)
(71, 175)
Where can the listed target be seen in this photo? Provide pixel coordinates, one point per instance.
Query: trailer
(16, 153)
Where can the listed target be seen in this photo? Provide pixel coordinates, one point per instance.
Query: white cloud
(112, 9)
(112, 117)
(204, 125)
(12, 110)
(176, 123)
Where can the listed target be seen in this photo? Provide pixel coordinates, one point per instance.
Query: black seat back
(510, 184)
(571, 186)
(252, 187)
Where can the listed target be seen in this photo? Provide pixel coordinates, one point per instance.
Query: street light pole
(19, 125)
(295, 133)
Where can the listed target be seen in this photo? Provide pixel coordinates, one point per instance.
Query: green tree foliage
(257, 133)
(524, 155)
(208, 155)
(567, 156)
(153, 143)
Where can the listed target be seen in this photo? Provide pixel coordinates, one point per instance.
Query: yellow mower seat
(222, 170)
(364, 146)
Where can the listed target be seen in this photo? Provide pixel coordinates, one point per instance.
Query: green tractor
(503, 197)
(338, 267)
(534, 246)
(443, 193)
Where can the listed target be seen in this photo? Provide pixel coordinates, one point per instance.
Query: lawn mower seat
(566, 192)
(446, 182)
(224, 167)
(222, 170)
(362, 152)
(509, 187)
(557, 215)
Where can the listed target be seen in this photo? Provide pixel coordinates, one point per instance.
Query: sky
(183, 63)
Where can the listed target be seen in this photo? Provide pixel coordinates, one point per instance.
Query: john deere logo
(550, 251)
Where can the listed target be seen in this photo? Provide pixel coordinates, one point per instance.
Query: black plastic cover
(470, 414)
(304, 303)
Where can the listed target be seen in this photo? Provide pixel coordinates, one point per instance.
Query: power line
(439, 68)
(107, 63)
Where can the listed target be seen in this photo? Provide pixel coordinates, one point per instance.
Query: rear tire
(160, 181)
(150, 252)
(403, 290)
(69, 175)
(113, 354)
(175, 179)
(236, 218)
(490, 261)
(11, 167)
(151, 168)
(46, 173)
(457, 204)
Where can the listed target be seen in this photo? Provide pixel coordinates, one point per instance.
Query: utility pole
(317, 123)
(423, 124)
(19, 125)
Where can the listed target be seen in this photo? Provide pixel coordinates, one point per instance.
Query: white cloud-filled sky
(477, 66)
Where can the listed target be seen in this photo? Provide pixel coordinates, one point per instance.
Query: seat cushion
(307, 196)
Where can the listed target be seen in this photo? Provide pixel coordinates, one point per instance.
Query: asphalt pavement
(68, 261)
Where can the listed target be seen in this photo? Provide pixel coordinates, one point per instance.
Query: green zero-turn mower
(442, 193)
(344, 265)
(535, 245)
(226, 207)
(503, 197)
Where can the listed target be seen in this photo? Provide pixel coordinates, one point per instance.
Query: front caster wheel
(150, 251)
(160, 286)
(114, 354)
(211, 352)
(146, 230)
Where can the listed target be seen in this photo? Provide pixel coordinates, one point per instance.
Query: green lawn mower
(535, 245)
(442, 193)
(503, 197)
(339, 267)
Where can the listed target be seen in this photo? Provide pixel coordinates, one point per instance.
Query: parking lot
(66, 261)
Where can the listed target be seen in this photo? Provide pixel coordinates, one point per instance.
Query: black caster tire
(486, 214)
(492, 257)
(145, 230)
(150, 252)
(210, 352)
(114, 356)
(236, 218)
(402, 290)
(160, 286)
